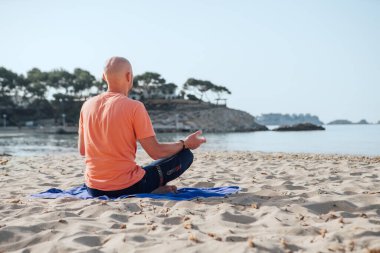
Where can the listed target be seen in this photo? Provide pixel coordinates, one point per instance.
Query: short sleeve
(142, 124)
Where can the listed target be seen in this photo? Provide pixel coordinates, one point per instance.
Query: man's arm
(81, 144)
(158, 150)
(81, 137)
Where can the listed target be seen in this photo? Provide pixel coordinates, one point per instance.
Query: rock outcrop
(340, 122)
(186, 116)
(300, 127)
(363, 122)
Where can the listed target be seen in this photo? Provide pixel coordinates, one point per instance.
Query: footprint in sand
(90, 241)
(236, 239)
(119, 217)
(6, 236)
(326, 207)
(237, 218)
(203, 184)
(131, 207)
(172, 221)
(139, 238)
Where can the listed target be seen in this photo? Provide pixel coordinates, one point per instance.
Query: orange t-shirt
(111, 124)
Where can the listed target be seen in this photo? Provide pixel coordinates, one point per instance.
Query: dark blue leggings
(157, 174)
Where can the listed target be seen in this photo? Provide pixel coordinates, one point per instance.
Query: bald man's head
(118, 75)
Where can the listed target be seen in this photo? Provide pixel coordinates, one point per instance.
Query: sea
(336, 139)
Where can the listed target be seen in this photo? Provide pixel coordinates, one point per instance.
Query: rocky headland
(186, 116)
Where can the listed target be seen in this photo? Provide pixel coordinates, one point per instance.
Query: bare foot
(165, 189)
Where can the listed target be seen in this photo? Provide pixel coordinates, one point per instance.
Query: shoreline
(290, 155)
(288, 202)
(345, 140)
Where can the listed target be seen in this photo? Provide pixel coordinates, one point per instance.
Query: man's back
(111, 123)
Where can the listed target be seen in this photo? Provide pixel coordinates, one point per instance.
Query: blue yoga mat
(80, 192)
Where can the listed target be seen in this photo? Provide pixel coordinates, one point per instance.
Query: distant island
(348, 122)
(340, 122)
(363, 122)
(278, 119)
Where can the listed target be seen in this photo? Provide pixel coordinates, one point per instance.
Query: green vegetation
(58, 95)
(151, 85)
(203, 87)
(40, 95)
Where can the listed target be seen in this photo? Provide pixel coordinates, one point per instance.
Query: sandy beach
(287, 203)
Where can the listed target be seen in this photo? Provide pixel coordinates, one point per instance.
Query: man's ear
(129, 76)
(104, 77)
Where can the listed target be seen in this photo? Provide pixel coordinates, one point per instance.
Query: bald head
(118, 75)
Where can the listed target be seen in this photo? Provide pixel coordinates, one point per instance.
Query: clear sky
(320, 57)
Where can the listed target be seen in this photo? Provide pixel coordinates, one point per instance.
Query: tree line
(59, 94)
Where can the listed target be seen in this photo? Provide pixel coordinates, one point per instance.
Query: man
(110, 125)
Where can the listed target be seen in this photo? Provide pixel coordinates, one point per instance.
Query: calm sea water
(344, 139)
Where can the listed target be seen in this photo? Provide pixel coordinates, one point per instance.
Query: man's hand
(158, 150)
(194, 140)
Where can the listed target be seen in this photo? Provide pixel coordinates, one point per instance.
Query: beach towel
(80, 192)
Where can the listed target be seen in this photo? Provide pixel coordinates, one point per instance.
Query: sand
(288, 203)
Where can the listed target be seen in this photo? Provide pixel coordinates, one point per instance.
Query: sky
(286, 56)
